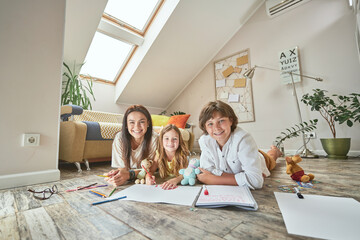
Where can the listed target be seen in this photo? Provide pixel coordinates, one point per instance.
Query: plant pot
(336, 148)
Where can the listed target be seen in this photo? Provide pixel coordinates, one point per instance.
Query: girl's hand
(170, 184)
(150, 180)
(118, 177)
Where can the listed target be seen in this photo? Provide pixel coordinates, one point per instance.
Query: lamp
(306, 153)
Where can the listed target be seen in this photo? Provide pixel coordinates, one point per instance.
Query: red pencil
(147, 172)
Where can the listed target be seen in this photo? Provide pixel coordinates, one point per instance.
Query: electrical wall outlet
(31, 140)
(311, 135)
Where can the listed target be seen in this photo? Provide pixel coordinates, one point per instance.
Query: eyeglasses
(45, 194)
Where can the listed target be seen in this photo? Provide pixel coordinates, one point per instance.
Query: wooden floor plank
(7, 203)
(41, 224)
(8, 228)
(104, 223)
(145, 218)
(23, 228)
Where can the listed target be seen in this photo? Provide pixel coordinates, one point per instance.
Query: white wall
(31, 37)
(104, 96)
(324, 32)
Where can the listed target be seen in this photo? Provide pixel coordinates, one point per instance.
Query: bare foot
(276, 151)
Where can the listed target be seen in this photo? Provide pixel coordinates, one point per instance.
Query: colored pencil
(146, 170)
(87, 186)
(112, 191)
(97, 193)
(109, 200)
(76, 189)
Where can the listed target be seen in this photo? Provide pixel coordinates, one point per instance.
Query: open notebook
(219, 195)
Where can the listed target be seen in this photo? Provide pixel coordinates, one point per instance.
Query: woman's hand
(118, 177)
(150, 179)
(111, 173)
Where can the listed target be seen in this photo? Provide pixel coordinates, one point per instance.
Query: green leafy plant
(337, 108)
(177, 113)
(75, 90)
(295, 131)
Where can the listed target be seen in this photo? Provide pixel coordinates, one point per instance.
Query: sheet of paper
(242, 60)
(219, 66)
(320, 216)
(228, 71)
(240, 83)
(224, 95)
(233, 98)
(220, 83)
(182, 195)
(237, 70)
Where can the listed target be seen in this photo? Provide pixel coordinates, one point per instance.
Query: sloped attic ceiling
(194, 33)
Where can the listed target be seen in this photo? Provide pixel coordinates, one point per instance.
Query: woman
(134, 143)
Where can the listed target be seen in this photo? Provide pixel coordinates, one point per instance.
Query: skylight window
(105, 57)
(121, 30)
(136, 13)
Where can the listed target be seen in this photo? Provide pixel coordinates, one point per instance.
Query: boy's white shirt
(116, 156)
(239, 156)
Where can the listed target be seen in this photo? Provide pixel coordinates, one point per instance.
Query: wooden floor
(69, 215)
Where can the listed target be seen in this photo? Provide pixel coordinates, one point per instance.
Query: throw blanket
(100, 125)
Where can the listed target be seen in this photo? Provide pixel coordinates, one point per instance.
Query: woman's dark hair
(125, 137)
(217, 106)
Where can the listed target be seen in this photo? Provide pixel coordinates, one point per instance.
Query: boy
(229, 155)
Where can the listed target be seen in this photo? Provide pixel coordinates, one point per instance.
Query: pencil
(206, 192)
(197, 197)
(86, 186)
(109, 200)
(146, 170)
(102, 175)
(97, 193)
(72, 190)
(112, 191)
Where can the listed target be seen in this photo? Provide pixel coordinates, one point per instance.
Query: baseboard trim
(29, 178)
(293, 152)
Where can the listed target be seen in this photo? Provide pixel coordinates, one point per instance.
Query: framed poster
(232, 87)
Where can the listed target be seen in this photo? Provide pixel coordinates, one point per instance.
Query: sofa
(87, 136)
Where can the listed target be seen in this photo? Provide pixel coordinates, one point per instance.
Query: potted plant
(75, 90)
(294, 132)
(335, 108)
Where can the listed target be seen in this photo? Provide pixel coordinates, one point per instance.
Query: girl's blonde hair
(181, 153)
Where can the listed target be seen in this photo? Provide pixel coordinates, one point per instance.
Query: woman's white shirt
(239, 156)
(116, 158)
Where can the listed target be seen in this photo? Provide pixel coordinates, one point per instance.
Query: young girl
(229, 155)
(135, 142)
(171, 156)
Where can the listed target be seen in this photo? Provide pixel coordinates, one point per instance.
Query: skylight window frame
(122, 25)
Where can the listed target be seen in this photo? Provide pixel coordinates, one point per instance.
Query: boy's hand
(205, 176)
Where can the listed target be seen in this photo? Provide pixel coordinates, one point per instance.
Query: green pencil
(112, 191)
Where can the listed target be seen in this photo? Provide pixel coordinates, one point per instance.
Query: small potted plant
(295, 131)
(335, 108)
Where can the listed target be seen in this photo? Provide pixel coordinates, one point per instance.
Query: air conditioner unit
(277, 7)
